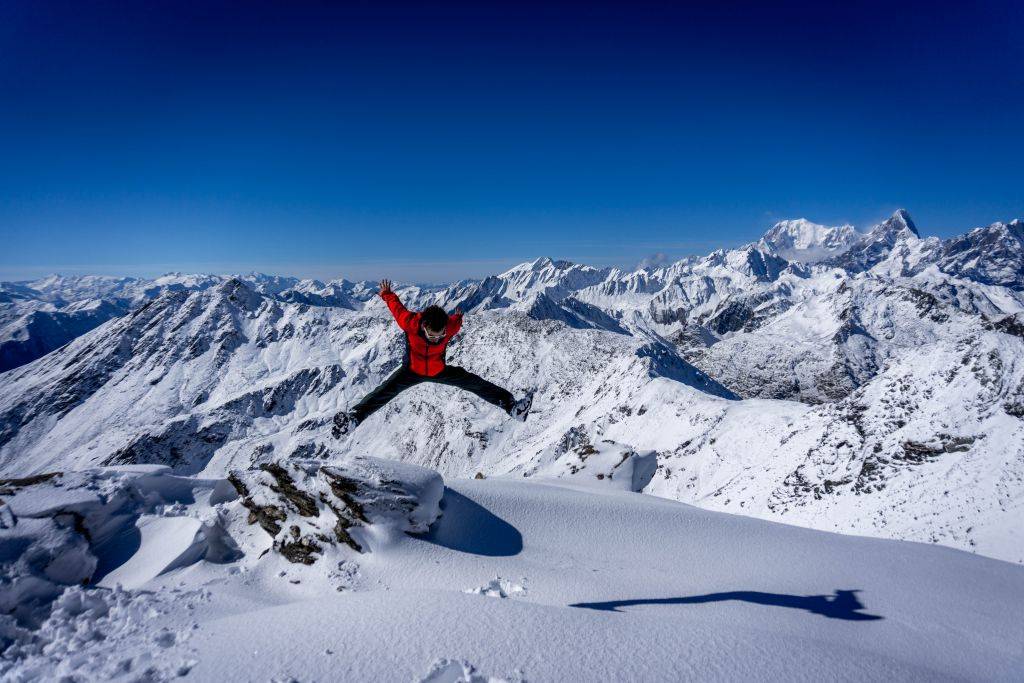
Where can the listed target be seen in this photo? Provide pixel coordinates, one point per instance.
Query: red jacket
(422, 357)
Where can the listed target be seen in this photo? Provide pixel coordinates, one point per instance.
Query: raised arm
(454, 323)
(403, 316)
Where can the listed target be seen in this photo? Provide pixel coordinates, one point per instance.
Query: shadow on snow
(469, 527)
(843, 605)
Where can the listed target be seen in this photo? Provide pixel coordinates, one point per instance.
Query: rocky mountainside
(878, 391)
(991, 255)
(40, 316)
(874, 246)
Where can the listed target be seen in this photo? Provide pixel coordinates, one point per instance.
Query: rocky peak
(993, 255)
(240, 293)
(754, 262)
(897, 225)
(874, 247)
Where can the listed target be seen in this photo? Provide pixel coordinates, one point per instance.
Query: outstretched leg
(464, 379)
(400, 380)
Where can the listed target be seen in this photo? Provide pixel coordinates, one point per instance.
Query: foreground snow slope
(614, 586)
(540, 581)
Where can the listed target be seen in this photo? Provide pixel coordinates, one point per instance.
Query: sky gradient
(366, 139)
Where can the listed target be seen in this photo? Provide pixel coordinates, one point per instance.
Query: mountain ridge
(878, 400)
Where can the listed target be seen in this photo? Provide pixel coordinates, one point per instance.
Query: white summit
(807, 242)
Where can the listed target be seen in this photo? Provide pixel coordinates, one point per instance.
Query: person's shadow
(843, 605)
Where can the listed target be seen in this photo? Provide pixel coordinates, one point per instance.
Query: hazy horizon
(425, 271)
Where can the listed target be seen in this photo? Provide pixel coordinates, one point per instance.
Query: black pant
(403, 378)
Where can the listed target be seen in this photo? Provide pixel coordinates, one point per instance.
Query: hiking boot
(344, 423)
(521, 408)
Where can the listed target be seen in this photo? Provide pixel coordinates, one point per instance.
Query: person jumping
(427, 334)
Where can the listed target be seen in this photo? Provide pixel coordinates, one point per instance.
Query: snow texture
(718, 596)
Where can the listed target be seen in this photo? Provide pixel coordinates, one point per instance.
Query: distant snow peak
(878, 243)
(240, 293)
(546, 262)
(993, 255)
(807, 242)
(543, 265)
(557, 279)
(898, 226)
(811, 243)
(761, 265)
(900, 221)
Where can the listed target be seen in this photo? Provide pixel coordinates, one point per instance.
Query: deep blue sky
(366, 139)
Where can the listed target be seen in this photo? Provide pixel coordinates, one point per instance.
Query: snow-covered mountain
(802, 240)
(875, 391)
(908, 374)
(30, 329)
(991, 255)
(876, 245)
(39, 316)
